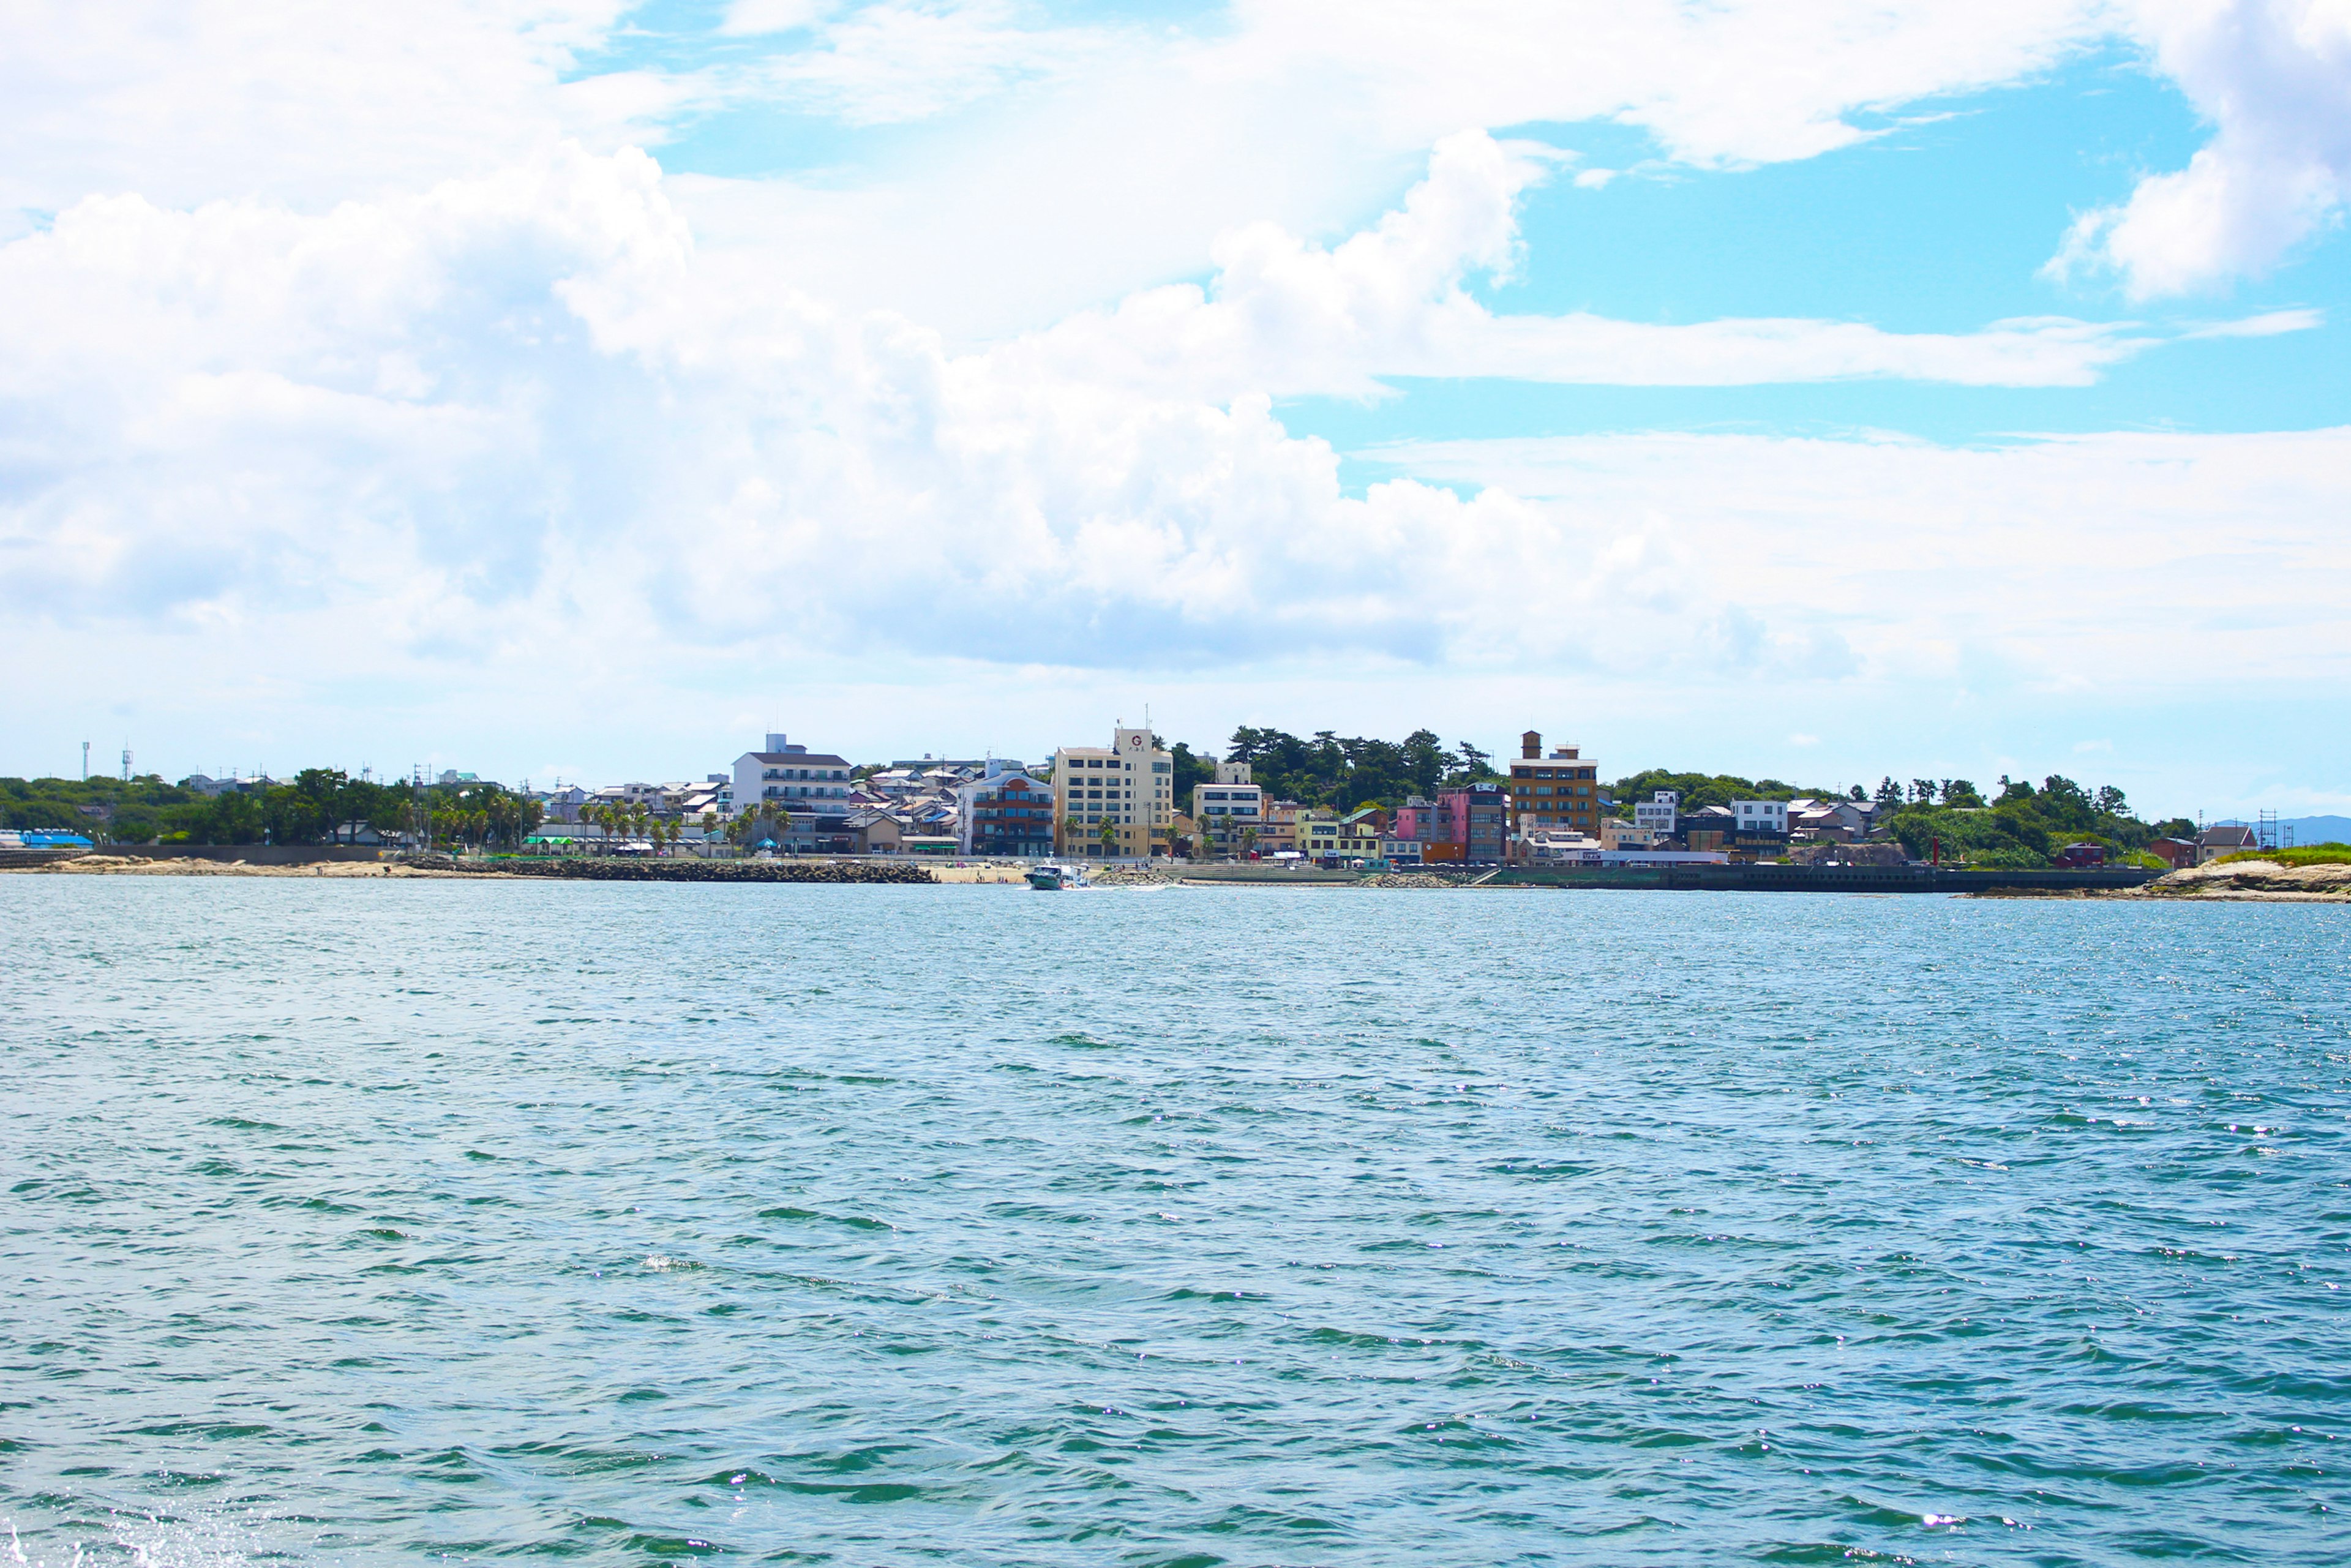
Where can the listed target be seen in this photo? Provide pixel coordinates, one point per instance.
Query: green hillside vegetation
(1343, 774)
(2301, 855)
(318, 807)
(2023, 828)
(1700, 790)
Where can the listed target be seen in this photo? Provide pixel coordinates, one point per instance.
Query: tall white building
(1231, 807)
(1761, 816)
(1658, 815)
(1127, 788)
(790, 779)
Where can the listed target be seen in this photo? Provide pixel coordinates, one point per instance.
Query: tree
(1108, 833)
(1922, 791)
(1889, 794)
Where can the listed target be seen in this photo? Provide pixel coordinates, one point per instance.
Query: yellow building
(1112, 801)
(1561, 791)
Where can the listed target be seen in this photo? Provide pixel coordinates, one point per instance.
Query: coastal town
(1272, 800)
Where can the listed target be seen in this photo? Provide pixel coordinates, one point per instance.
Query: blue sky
(1823, 388)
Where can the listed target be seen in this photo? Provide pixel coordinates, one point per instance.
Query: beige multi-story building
(1112, 801)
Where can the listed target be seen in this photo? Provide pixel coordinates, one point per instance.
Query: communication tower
(85, 762)
(126, 762)
(2267, 830)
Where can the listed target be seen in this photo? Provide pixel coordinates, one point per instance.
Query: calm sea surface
(617, 1224)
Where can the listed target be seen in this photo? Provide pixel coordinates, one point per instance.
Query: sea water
(379, 1222)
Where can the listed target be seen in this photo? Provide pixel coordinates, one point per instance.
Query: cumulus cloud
(353, 360)
(1289, 317)
(516, 411)
(2273, 78)
(2122, 563)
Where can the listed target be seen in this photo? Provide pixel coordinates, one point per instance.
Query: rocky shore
(2253, 882)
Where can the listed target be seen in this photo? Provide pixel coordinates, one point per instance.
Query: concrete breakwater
(593, 869)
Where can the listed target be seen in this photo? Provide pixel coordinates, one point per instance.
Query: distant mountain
(2317, 829)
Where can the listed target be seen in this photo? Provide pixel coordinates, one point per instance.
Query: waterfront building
(790, 777)
(1616, 834)
(2225, 839)
(1280, 834)
(1005, 811)
(1470, 822)
(1562, 846)
(874, 833)
(1113, 800)
(1720, 828)
(1226, 810)
(1330, 840)
(1560, 791)
(1761, 816)
(1657, 814)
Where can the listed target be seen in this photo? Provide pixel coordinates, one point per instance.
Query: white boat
(1053, 877)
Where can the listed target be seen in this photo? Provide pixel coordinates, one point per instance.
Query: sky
(1809, 389)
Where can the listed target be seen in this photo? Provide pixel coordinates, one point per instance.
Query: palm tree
(1249, 842)
(1109, 836)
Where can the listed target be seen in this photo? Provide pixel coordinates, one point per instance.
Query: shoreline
(2253, 882)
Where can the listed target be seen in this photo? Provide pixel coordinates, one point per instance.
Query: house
(1113, 801)
(1005, 811)
(1329, 840)
(1720, 828)
(1761, 816)
(2225, 839)
(1560, 791)
(790, 777)
(1231, 811)
(2079, 857)
(1561, 846)
(875, 832)
(1616, 834)
(2174, 852)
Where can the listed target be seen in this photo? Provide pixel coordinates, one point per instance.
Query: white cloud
(185, 102)
(2274, 78)
(522, 417)
(341, 374)
(2119, 563)
(1289, 318)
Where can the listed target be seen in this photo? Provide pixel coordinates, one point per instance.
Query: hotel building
(1560, 791)
(1113, 800)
